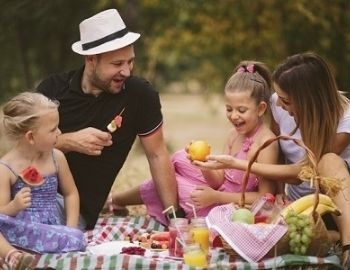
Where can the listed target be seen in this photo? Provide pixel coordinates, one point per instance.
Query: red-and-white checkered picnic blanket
(109, 228)
(251, 241)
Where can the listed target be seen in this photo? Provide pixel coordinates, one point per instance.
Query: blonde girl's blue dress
(38, 228)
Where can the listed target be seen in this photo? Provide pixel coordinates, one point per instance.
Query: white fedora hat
(103, 32)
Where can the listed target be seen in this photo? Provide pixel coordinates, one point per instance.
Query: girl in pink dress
(247, 95)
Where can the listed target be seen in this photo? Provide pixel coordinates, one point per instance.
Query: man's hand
(89, 141)
(23, 199)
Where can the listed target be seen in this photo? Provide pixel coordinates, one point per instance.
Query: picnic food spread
(158, 240)
(103, 254)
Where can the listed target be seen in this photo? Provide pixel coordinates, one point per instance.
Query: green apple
(243, 215)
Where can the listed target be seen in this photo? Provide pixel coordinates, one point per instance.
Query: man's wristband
(179, 213)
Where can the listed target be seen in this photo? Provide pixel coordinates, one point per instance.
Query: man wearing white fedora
(91, 97)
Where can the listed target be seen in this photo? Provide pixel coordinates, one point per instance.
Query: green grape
(292, 228)
(290, 217)
(289, 220)
(302, 249)
(297, 238)
(300, 232)
(292, 243)
(308, 231)
(296, 250)
(305, 239)
(291, 213)
(307, 221)
(292, 234)
(293, 220)
(301, 223)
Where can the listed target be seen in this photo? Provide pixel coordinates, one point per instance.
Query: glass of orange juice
(195, 256)
(200, 233)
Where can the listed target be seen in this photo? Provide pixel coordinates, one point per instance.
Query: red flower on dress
(31, 176)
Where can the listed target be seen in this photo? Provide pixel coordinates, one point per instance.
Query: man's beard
(99, 84)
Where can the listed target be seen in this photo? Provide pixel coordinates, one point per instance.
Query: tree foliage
(182, 41)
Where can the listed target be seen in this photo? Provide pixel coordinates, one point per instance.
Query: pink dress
(188, 177)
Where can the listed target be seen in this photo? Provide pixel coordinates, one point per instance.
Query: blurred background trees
(186, 45)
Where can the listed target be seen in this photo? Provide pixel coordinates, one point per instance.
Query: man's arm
(162, 170)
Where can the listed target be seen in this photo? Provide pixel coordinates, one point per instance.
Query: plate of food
(156, 241)
(111, 248)
(125, 247)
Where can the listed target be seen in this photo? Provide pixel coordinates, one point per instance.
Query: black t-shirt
(95, 175)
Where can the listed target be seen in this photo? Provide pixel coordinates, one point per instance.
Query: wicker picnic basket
(320, 243)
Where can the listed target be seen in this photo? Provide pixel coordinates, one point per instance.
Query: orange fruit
(198, 150)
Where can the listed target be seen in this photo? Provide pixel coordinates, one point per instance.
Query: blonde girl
(31, 173)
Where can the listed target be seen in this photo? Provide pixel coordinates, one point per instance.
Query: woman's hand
(203, 196)
(218, 162)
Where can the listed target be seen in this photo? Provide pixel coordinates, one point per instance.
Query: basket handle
(311, 158)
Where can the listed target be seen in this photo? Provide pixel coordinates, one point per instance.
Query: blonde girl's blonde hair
(21, 113)
(318, 104)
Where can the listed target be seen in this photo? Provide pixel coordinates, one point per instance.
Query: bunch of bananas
(305, 205)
